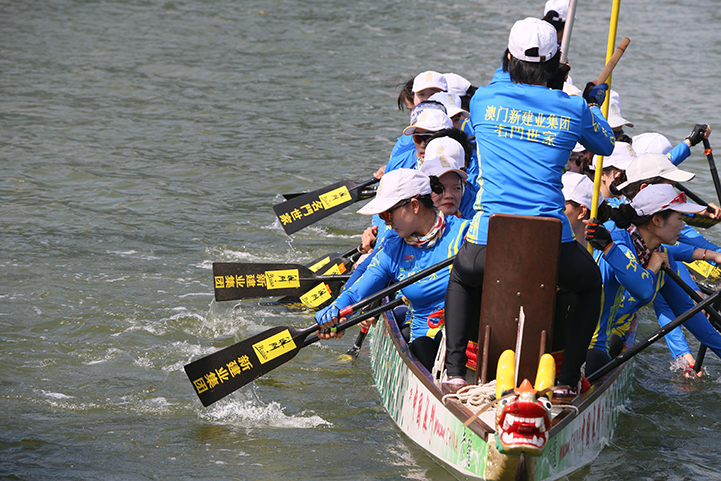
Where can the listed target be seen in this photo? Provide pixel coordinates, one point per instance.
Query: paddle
(306, 209)
(224, 372)
(696, 220)
(708, 152)
(365, 194)
(235, 280)
(333, 263)
(354, 351)
(715, 317)
(630, 353)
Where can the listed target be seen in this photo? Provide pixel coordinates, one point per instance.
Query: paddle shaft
(352, 322)
(715, 318)
(630, 353)
(568, 30)
(395, 287)
(712, 165)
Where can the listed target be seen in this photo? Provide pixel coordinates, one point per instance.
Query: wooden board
(521, 270)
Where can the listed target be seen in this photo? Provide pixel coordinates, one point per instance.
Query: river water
(141, 140)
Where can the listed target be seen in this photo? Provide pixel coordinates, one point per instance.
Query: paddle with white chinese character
(237, 280)
(223, 372)
(309, 208)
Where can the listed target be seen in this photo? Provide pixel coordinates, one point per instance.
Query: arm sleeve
(679, 153)
(692, 237)
(639, 282)
(596, 136)
(682, 252)
(377, 274)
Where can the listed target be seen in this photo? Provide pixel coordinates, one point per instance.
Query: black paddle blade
(700, 221)
(306, 209)
(224, 372)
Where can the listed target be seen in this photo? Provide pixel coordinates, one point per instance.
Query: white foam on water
(56, 395)
(110, 354)
(249, 414)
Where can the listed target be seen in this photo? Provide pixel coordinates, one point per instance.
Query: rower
(521, 168)
(631, 256)
(422, 237)
(649, 169)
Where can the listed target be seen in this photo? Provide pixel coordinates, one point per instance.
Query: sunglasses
(388, 215)
(422, 138)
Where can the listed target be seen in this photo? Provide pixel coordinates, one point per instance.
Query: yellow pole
(611, 47)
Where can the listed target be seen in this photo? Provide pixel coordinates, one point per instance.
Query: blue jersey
(396, 260)
(403, 155)
(524, 136)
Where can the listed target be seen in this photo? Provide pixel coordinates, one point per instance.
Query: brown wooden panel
(521, 270)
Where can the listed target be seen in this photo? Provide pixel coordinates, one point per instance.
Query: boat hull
(414, 403)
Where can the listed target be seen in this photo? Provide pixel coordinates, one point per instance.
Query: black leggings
(577, 273)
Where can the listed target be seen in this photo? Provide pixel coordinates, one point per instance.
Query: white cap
(456, 83)
(579, 148)
(647, 166)
(444, 155)
(622, 156)
(615, 119)
(651, 143)
(451, 101)
(431, 119)
(533, 33)
(429, 79)
(659, 197)
(579, 188)
(559, 6)
(395, 186)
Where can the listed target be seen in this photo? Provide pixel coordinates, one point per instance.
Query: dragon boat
(526, 434)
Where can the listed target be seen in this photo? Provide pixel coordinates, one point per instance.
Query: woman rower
(521, 174)
(423, 237)
(631, 258)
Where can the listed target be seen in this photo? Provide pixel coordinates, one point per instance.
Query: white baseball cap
(622, 156)
(395, 186)
(579, 148)
(533, 33)
(559, 6)
(615, 119)
(451, 101)
(651, 143)
(659, 197)
(647, 166)
(456, 83)
(579, 188)
(431, 119)
(444, 155)
(429, 79)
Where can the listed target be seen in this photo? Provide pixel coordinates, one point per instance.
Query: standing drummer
(525, 133)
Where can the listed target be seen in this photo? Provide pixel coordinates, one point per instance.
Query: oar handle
(630, 353)
(715, 319)
(708, 151)
(395, 287)
(611, 64)
(330, 278)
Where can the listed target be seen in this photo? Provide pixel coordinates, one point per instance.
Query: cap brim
(678, 175)
(378, 205)
(687, 208)
(463, 175)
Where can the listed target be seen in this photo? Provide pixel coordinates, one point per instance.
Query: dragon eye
(506, 401)
(545, 403)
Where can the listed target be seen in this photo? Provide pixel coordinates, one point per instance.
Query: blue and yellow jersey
(395, 260)
(524, 137)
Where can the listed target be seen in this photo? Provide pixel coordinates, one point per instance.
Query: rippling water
(143, 140)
